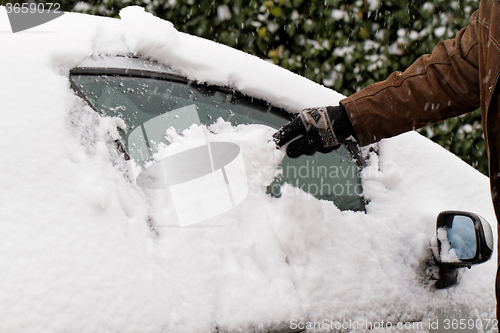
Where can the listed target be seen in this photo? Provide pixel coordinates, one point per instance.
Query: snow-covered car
(142, 192)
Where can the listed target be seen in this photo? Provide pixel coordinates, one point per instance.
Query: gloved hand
(323, 129)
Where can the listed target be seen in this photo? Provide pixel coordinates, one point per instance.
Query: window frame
(117, 71)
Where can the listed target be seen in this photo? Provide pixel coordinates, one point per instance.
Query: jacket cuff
(357, 124)
(342, 125)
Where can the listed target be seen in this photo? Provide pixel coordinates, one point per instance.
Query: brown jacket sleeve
(438, 86)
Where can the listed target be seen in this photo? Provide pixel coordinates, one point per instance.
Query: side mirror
(464, 239)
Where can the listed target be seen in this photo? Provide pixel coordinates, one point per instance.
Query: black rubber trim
(169, 77)
(128, 72)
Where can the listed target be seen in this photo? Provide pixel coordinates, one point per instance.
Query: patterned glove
(320, 129)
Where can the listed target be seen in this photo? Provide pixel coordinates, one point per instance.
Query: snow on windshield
(85, 249)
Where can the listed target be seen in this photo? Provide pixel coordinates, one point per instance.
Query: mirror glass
(458, 241)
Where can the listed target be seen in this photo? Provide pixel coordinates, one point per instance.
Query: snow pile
(260, 159)
(84, 249)
(157, 39)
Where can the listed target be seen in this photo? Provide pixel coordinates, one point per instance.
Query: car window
(149, 106)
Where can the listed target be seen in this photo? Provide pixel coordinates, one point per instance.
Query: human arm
(435, 87)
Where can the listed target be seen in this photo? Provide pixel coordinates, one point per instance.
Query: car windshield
(149, 106)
